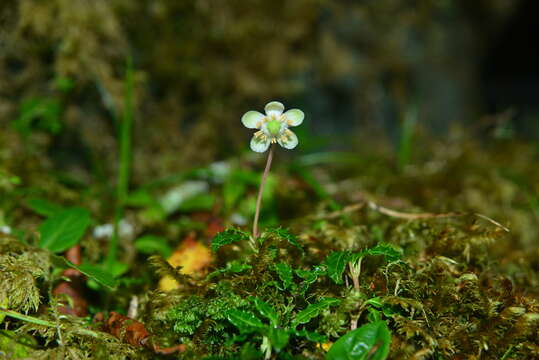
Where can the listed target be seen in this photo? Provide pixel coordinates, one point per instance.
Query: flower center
(274, 127)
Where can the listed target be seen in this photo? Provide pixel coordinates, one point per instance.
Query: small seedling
(273, 127)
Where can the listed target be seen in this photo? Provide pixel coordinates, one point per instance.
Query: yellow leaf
(192, 256)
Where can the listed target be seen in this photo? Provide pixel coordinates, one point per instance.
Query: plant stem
(261, 191)
(355, 271)
(125, 159)
(47, 323)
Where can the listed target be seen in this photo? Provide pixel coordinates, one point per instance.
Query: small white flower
(273, 127)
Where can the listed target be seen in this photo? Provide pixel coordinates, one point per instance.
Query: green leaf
(226, 237)
(370, 342)
(266, 310)
(278, 338)
(151, 244)
(200, 202)
(232, 267)
(98, 274)
(286, 235)
(309, 276)
(285, 274)
(44, 207)
(336, 263)
(375, 301)
(313, 310)
(311, 336)
(92, 271)
(246, 322)
(64, 229)
(390, 252)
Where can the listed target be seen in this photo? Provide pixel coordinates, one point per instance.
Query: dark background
(354, 67)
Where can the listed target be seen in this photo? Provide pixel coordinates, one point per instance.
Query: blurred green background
(355, 67)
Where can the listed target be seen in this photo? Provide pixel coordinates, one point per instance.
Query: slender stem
(125, 159)
(261, 191)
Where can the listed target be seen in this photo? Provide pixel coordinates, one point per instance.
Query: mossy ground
(464, 288)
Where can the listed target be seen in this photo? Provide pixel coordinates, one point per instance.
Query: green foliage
(227, 237)
(313, 310)
(64, 229)
(152, 244)
(189, 314)
(284, 234)
(94, 272)
(285, 274)
(233, 267)
(278, 338)
(336, 263)
(371, 341)
(390, 252)
(44, 207)
(39, 114)
(266, 310)
(13, 348)
(19, 279)
(246, 322)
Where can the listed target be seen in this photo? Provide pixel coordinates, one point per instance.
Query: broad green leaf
(313, 310)
(266, 310)
(151, 244)
(390, 252)
(278, 338)
(64, 229)
(285, 274)
(44, 207)
(246, 322)
(226, 237)
(95, 272)
(336, 264)
(370, 342)
(92, 271)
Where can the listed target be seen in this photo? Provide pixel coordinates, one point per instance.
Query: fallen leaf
(192, 256)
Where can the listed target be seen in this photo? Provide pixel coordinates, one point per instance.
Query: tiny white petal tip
(274, 108)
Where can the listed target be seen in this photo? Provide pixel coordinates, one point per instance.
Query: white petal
(260, 144)
(251, 119)
(294, 117)
(289, 140)
(274, 108)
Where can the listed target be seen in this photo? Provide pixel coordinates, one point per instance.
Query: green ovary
(274, 127)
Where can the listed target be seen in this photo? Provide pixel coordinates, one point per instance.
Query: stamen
(259, 124)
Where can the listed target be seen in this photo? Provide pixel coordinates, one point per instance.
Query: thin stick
(261, 191)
